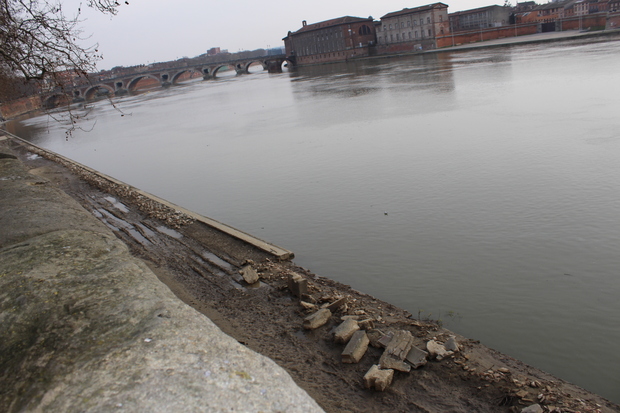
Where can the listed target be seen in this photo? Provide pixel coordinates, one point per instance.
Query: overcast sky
(149, 31)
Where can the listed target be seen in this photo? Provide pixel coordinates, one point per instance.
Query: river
(478, 187)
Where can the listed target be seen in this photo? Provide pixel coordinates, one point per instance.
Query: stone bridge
(167, 77)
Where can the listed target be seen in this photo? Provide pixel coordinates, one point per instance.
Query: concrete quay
(88, 327)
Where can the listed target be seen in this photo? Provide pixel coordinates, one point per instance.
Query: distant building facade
(480, 18)
(333, 40)
(413, 29)
(556, 11)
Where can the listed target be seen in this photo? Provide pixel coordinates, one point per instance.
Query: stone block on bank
(390, 362)
(355, 350)
(437, 350)
(385, 340)
(337, 304)
(534, 408)
(377, 378)
(417, 357)
(396, 351)
(451, 344)
(249, 274)
(400, 345)
(308, 306)
(367, 324)
(317, 319)
(297, 284)
(375, 335)
(345, 331)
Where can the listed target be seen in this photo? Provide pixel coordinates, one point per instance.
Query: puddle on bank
(217, 260)
(116, 204)
(212, 268)
(117, 224)
(169, 231)
(146, 230)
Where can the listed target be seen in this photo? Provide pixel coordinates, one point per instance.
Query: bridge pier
(274, 67)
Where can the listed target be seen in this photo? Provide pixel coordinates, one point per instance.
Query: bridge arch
(216, 69)
(91, 92)
(175, 78)
(131, 85)
(246, 66)
(289, 63)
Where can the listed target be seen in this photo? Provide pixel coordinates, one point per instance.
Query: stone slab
(249, 274)
(417, 357)
(298, 285)
(345, 331)
(378, 378)
(356, 348)
(317, 319)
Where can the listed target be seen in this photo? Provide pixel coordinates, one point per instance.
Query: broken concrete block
(394, 355)
(437, 350)
(417, 357)
(355, 350)
(451, 344)
(337, 304)
(317, 319)
(249, 274)
(298, 285)
(345, 331)
(385, 340)
(535, 408)
(400, 345)
(308, 306)
(377, 378)
(390, 362)
(367, 324)
(374, 336)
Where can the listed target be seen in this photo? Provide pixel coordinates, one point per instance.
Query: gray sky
(149, 31)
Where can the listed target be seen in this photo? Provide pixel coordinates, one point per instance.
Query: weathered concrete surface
(87, 327)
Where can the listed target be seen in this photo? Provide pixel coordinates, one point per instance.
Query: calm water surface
(499, 171)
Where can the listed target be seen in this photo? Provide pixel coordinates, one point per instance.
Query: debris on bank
(406, 350)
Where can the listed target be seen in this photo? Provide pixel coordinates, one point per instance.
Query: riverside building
(335, 40)
(413, 29)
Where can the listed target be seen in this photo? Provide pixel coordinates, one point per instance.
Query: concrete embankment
(88, 327)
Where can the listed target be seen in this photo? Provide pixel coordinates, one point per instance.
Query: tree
(41, 49)
(39, 41)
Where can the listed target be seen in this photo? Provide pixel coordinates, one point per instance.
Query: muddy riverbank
(201, 266)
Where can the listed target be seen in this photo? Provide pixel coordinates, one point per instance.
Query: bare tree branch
(40, 43)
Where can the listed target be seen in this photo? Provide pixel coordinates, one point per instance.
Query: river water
(478, 187)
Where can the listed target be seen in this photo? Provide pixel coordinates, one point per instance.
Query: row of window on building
(402, 37)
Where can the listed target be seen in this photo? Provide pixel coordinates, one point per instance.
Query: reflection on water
(498, 169)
